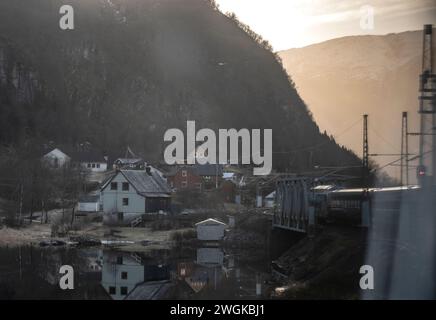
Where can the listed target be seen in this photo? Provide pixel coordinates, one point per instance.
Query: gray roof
(146, 184)
(88, 156)
(208, 169)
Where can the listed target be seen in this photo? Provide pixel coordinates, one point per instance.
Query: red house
(200, 177)
(184, 177)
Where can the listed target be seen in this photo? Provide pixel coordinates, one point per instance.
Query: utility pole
(404, 151)
(365, 157)
(427, 111)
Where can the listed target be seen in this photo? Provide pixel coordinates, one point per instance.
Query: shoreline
(122, 237)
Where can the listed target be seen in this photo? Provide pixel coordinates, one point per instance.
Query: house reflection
(128, 276)
(207, 271)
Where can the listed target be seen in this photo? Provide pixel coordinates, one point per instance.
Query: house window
(98, 165)
(93, 165)
(123, 291)
(184, 173)
(184, 184)
(120, 260)
(125, 201)
(112, 290)
(114, 186)
(124, 275)
(125, 186)
(89, 165)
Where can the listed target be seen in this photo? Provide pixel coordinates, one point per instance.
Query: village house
(183, 177)
(56, 158)
(210, 174)
(210, 230)
(128, 194)
(90, 160)
(199, 177)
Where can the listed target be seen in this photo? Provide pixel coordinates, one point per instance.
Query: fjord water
(101, 273)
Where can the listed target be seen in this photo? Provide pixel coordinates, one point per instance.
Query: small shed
(89, 203)
(210, 230)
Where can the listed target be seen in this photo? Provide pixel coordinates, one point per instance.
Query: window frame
(125, 202)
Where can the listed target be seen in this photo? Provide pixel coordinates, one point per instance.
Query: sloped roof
(88, 156)
(208, 169)
(146, 184)
(271, 195)
(210, 221)
(54, 151)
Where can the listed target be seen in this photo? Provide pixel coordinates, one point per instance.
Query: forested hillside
(133, 68)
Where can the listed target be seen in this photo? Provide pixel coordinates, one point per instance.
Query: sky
(297, 23)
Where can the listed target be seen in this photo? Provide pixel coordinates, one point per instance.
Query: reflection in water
(127, 275)
(120, 274)
(185, 273)
(207, 271)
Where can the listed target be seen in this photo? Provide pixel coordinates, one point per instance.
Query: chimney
(148, 170)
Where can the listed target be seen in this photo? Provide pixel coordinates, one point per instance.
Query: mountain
(133, 68)
(344, 78)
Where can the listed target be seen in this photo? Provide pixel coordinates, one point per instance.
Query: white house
(56, 158)
(128, 194)
(210, 230)
(90, 160)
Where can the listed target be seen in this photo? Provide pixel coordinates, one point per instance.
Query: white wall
(102, 168)
(112, 200)
(210, 232)
(111, 275)
(89, 206)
